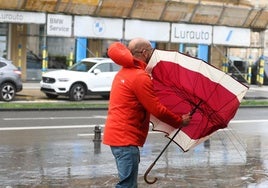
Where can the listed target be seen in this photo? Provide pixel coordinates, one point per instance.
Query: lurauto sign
(186, 33)
(22, 17)
(205, 34)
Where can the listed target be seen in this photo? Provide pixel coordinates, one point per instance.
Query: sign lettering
(59, 25)
(186, 33)
(22, 17)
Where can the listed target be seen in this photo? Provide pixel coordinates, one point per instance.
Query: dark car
(237, 68)
(10, 80)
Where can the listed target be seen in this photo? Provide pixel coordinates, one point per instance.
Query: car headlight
(63, 79)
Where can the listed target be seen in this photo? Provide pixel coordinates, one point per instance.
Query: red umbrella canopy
(184, 83)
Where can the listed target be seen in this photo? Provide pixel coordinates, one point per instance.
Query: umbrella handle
(147, 172)
(152, 165)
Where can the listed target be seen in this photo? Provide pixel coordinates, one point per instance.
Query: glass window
(105, 67)
(82, 66)
(3, 40)
(115, 67)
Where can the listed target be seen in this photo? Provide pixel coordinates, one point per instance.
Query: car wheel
(77, 92)
(7, 92)
(51, 96)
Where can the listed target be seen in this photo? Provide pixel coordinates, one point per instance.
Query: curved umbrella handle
(147, 172)
(152, 165)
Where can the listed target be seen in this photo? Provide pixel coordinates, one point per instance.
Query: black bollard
(97, 139)
(97, 134)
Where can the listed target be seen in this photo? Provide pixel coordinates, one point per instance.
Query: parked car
(89, 76)
(10, 80)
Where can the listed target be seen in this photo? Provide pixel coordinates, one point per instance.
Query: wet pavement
(226, 160)
(233, 157)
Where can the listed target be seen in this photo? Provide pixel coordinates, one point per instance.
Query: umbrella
(185, 84)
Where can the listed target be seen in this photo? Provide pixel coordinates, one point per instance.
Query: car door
(103, 77)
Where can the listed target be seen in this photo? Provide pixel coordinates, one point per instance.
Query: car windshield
(82, 66)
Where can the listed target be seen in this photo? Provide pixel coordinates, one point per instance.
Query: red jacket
(132, 100)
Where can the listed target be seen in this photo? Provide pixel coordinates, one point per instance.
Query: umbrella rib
(235, 146)
(225, 144)
(184, 95)
(236, 136)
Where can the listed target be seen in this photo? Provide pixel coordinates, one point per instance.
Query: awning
(234, 13)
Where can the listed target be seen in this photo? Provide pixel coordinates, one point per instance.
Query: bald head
(140, 49)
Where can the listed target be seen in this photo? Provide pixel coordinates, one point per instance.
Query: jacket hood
(121, 55)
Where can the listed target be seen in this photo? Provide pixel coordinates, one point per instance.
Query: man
(132, 100)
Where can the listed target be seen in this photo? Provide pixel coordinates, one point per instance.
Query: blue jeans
(127, 161)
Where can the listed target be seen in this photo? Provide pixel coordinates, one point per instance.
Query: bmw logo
(99, 27)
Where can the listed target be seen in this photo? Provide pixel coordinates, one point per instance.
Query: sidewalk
(31, 91)
(257, 92)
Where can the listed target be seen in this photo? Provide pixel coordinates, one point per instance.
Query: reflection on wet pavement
(223, 161)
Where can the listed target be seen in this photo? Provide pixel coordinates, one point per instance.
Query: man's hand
(186, 118)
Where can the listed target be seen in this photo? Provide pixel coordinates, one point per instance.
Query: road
(70, 119)
(56, 149)
(52, 118)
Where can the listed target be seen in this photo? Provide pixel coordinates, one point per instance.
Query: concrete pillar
(217, 56)
(95, 47)
(18, 47)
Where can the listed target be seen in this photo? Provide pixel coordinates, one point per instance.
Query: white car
(89, 76)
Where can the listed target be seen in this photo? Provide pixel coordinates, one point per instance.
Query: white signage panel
(22, 17)
(196, 34)
(85, 26)
(59, 25)
(230, 36)
(153, 31)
